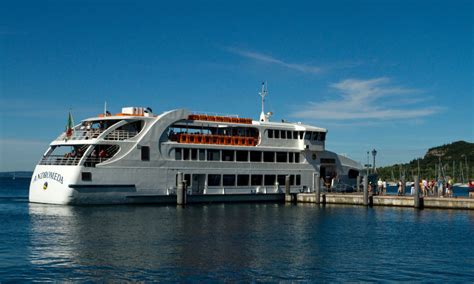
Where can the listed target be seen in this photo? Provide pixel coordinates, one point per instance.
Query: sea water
(233, 242)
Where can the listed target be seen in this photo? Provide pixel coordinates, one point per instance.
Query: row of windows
(315, 136)
(246, 180)
(192, 154)
(284, 134)
(287, 134)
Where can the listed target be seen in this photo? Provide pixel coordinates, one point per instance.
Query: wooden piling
(317, 188)
(180, 191)
(366, 190)
(358, 183)
(403, 185)
(288, 197)
(416, 195)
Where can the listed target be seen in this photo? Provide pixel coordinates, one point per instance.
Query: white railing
(60, 160)
(94, 133)
(81, 134)
(120, 135)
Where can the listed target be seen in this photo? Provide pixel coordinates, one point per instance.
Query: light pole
(368, 163)
(374, 152)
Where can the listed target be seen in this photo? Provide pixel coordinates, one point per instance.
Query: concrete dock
(385, 200)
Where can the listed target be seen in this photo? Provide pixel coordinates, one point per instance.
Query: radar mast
(263, 94)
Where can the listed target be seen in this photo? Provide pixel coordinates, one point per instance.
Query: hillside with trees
(457, 156)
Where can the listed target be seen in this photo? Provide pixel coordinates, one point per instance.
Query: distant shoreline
(16, 174)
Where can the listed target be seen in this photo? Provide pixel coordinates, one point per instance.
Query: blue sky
(396, 76)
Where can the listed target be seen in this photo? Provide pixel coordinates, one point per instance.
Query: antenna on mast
(263, 94)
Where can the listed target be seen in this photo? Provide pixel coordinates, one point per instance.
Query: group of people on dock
(430, 188)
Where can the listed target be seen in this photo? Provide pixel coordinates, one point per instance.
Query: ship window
(281, 157)
(353, 173)
(270, 133)
(186, 154)
(277, 133)
(295, 134)
(255, 156)
(214, 180)
(125, 131)
(104, 152)
(288, 134)
(281, 180)
(290, 157)
(301, 133)
(315, 136)
(228, 180)
(323, 136)
(307, 135)
(194, 154)
(283, 134)
(292, 180)
(86, 176)
(187, 179)
(297, 157)
(256, 180)
(145, 153)
(269, 157)
(270, 179)
(298, 179)
(177, 154)
(242, 180)
(213, 155)
(242, 156)
(202, 154)
(228, 155)
(328, 161)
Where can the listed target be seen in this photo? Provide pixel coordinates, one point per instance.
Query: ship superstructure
(135, 156)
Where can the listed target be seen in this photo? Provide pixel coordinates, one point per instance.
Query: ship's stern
(50, 184)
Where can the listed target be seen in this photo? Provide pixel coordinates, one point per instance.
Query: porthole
(313, 156)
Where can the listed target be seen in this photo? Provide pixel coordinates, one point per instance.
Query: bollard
(317, 188)
(416, 196)
(358, 184)
(287, 184)
(366, 190)
(180, 191)
(403, 185)
(288, 197)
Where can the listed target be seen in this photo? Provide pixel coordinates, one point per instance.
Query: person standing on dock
(399, 191)
(380, 186)
(440, 188)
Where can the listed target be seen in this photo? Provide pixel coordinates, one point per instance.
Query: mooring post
(403, 185)
(287, 184)
(366, 190)
(358, 183)
(317, 188)
(288, 197)
(416, 196)
(180, 199)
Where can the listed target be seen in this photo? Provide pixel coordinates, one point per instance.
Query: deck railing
(214, 139)
(81, 134)
(60, 160)
(120, 135)
(94, 133)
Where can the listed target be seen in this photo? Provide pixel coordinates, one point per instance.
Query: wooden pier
(385, 200)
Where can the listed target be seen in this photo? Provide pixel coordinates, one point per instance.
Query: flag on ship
(69, 126)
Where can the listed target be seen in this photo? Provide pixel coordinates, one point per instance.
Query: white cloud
(376, 98)
(272, 60)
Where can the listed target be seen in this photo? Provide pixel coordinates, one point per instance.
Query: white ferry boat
(134, 157)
